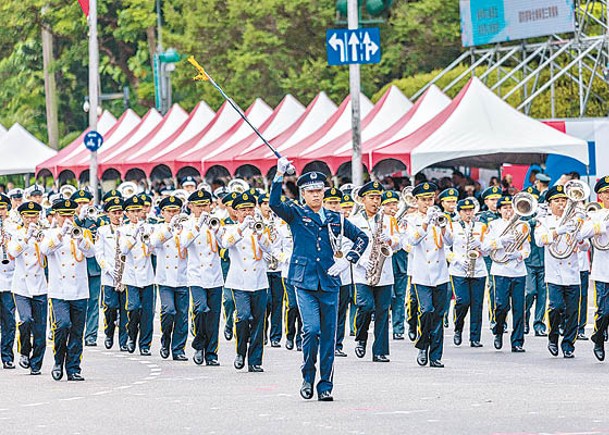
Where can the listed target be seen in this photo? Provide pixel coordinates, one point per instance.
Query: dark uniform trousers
(491, 292)
(412, 308)
(344, 297)
(583, 302)
(68, 320)
(601, 317)
(431, 302)
(563, 307)
(469, 297)
(509, 291)
(398, 299)
(140, 314)
(375, 300)
(274, 308)
(32, 328)
(174, 318)
(536, 293)
(206, 308)
(293, 323)
(227, 295)
(319, 313)
(250, 308)
(114, 309)
(7, 326)
(92, 323)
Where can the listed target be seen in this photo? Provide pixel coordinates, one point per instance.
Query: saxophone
(379, 253)
(119, 265)
(471, 255)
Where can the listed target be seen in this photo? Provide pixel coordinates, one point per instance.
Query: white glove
(513, 255)
(386, 238)
(569, 227)
(476, 244)
(284, 166)
(83, 213)
(66, 227)
(267, 257)
(507, 239)
(430, 216)
(30, 231)
(340, 265)
(115, 274)
(247, 222)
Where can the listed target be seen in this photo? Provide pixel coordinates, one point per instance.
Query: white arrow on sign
(353, 42)
(335, 43)
(370, 47)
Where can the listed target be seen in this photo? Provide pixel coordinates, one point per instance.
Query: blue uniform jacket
(312, 255)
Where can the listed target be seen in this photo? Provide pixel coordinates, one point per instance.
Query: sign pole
(354, 86)
(93, 92)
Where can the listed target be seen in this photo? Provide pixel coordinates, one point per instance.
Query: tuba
(525, 205)
(408, 201)
(127, 189)
(592, 208)
(238, 185)
(67, 190)
(359, 205)
(576, 191)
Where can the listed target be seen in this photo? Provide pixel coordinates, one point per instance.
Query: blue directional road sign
(93, 140)
(353, 46)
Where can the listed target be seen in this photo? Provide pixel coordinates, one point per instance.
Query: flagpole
(93, 91)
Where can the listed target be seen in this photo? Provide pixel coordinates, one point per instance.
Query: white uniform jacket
(171, 257)
(203, 267)
(138, 266)
(247, 269)
(457, 258)
(600, 263)
(29, 266)
(514, 267)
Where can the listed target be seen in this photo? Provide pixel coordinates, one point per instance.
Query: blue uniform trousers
(412, 308)
(583, 302)
(536, 293)
(250, 307)
(469, 296)
(491, 292)
(68, 320)
(227, 300)
(375, 300)
(431, 302)
(352, 310)
(7, 326)
(601, 317)
(293, 324)
(140, 314)
(113, 307)
(398, 303)
(174, 318)
(206, 308)
(509, 292)
(32, 328)
(563, 307)
(344, 297)
(319, 310)
(274, 308)
(92, 325)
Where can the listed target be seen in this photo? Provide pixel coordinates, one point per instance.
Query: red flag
(84, 4)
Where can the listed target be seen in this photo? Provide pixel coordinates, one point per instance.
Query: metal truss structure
(526, 72)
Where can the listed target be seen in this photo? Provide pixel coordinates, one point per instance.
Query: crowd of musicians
(379, 261)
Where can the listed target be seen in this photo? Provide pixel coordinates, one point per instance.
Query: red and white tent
(479, 129)
(392, 106)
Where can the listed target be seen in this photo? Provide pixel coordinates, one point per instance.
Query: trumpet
(211, 221)
(258, 227)
(92, 212)
(576, 191)
(439, 218)
(524, 205)
(177, 223)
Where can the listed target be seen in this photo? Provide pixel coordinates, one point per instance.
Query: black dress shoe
(457, 339)
(109, 342)
(553, 348)
(90, 343)
(540, 334)
(35, 372)
(475, 344)
(180, 357)
(198, 357)
(239, 362)
(8, 365)
(436, 364)
(582, 337)
(380, 358)
(422, 358)
(228, 334)
(325, 396)
(24, 362)
(599, 352)
(275, 344)
(339, 353)
(360, 349)
(255, 368)
(306, 390)
(145, 352)
(569, 354)
(164, 352)
(130, 345)
(412, 335)
(212, 362)
(76, 377)
(398, 336)
(289, 344)
(124, 348)
(498, 342)
(518, 349)
(526, 329)
(299, 348)
(57, 372)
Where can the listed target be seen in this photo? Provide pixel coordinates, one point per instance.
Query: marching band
(340, 260)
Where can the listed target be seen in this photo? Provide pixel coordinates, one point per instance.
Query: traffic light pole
(354, 86)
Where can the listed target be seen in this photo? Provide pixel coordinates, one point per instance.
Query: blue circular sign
(93, 140)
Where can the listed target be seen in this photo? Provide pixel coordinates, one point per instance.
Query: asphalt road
(481, 391)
